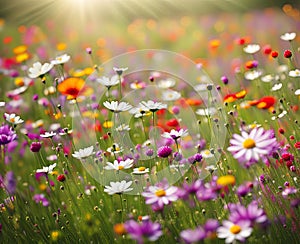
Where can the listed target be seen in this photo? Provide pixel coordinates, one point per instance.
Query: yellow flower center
(12, 120)
(120, 167)
(141, 168)
(160, 193)
(235, 229)
(249, 143)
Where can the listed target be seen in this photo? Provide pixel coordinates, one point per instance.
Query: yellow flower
(61, 46)
(19, 81)
(20, 49)
(43, 187)
(108, 124)
(22, 57)
(54, 235)
(226, 180)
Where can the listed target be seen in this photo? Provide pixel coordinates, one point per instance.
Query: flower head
(234, 231)
(61, 59)
(38, 69)
(126, 164)
(13, 119)
(288, 36)
(143, 230)
(71, 87)
(152, 106)
(118, 187)
(109, 82)
(47, 169)
(7, 134)
(253, 145)
(160, 194)
(116, 106)
(251, 48)
(174, 134)
(164, 151)
(84, 153)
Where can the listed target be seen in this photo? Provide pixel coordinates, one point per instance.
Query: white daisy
(2, 104)
(140, 170)
(140, 112)
(13, 119)
(276, 87)
(170, 95)
(282, 114)
(251, 48)
(174, 134)
(119, 71)
(252, 74)
(206, 111)
(211, 168)
(294, 73)
(48, 134)
(105, 81)
(152, 106)
(165, 84)
(119, 165)
(39, 69)
(297, 92)
(117, 107)
(47, 169)
(123, 127)
(115, 148)
(61, 59)
(288, 36)
(267, 78)
(282, 68)
(84, 153)
(118, 187)
(231, 231)
(206, 153)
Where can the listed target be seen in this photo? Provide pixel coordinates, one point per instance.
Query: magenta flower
(164, 151)
(193, 236)
(160, 194)
(7, 135)
(35, 146)
(40, 198)
(144, 230)
(251, 213)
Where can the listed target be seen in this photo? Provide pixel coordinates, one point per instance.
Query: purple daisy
(160, 194)
(251, 213)
(143, 230)
(7, 135)
(193, 236)
(250, 147)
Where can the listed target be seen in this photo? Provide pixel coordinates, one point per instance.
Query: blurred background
(33, 11)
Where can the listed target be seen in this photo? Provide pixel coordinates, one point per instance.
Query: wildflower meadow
(139, 129)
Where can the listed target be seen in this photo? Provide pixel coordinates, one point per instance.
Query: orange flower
(232, 97)
(71, 87)
(264, 102)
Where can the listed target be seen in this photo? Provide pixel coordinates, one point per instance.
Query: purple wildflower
(160, 194)
(144, 230)
(251, 213)
(193, 236)
(35, 146)
(7, 135)
(40, 198)
(164, 151)
(10, 182)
